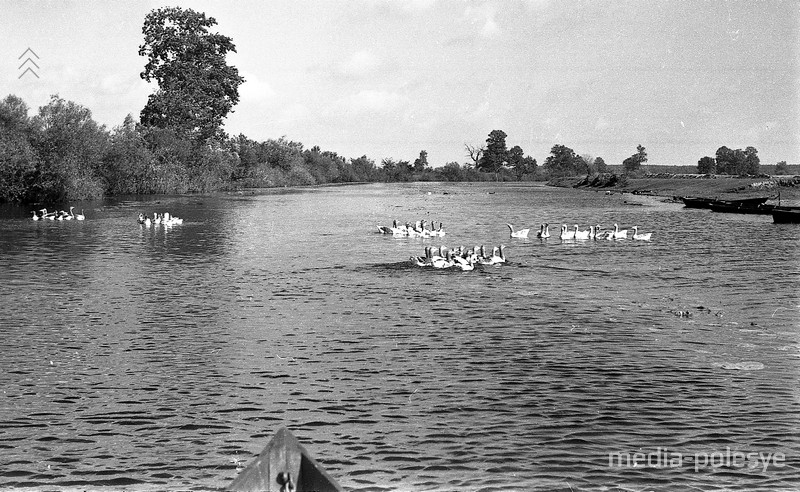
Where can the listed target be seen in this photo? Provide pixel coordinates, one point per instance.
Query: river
(164, 358)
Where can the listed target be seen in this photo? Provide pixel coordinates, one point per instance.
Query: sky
(389, 78)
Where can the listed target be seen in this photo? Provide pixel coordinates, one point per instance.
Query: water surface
(152, 358)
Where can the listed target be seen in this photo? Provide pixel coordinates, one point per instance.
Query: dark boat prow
(284, 465)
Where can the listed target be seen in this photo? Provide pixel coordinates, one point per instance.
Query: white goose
(522, 233)
(443, 262)
(79, 216)
(642, 236)
(422, 260)
(35, 217)
(594, 231)
(546, 232)
(565, 234)
(620, 234)
(582, 235)
(499, 256)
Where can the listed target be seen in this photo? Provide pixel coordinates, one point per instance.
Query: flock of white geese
(60, 215)
(159, 219)
(463, 259)
(418, 229)
(467, 259)
(594, 232)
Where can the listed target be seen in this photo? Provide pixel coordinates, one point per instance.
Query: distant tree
(452, 172)
(706, 165)
(396, 171)
(726, 160)
(781, 168)
(752, 162)
(17, 159)
(738, 161)
(363, 168)
(196, 87)
(475, 153)
(421, 163)
(634, 162)
(561, 162)
(515, 159)
(600, 165)
(521, 164)
(496, 154)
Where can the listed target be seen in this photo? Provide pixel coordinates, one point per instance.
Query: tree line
(179, 144)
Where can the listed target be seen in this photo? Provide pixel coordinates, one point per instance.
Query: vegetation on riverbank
(694, 185)
(179, 145)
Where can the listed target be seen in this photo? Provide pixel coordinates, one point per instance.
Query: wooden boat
(735, 208)
(786, 215)
(750, 202)
(695, 202)
(284, 465)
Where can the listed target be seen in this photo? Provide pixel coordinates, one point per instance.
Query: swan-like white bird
(582, 235)
(79, 216)
(565, 234)
(522, 233)
(641, 237)
(620, 234)
(546, 232)
(35, 217)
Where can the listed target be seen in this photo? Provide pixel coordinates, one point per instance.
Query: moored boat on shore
(786, 215)
(744, 205)
(723, 206)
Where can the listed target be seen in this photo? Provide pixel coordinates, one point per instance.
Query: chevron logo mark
(27, 63)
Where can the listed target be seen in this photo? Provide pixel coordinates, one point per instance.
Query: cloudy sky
(390, 78)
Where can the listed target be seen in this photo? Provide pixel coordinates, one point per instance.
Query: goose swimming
(565, 234)
(582, 235)
(642, 236)
(620, 234)
(522, 233)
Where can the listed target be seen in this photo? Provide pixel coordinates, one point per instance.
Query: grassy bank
(721, 187)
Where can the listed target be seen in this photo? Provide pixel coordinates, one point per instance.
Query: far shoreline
(675, 187)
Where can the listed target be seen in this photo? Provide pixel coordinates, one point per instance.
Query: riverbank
(676, 186)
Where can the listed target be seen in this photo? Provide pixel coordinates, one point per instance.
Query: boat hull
(786, 215)
(284, 464)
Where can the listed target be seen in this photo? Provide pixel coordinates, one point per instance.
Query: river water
(155, 358)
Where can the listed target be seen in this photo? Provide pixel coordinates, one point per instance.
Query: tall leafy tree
(600, 165)
(496, 154)
(751, 160)
(706, 165)
(634, 162)
(561, 161)
(196, 86)
(69, 145)
(421, 163)
(726, 160)
(17, 159)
